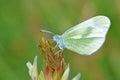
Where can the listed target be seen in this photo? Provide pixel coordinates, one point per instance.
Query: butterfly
(84, 38)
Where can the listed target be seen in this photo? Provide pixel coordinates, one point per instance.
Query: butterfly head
(58, 39)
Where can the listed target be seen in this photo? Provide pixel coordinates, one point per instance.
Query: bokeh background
(21, 20)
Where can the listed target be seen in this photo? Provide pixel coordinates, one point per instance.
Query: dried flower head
(54, 68)
(53, 58)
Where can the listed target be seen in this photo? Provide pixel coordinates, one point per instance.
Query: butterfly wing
(87, 37)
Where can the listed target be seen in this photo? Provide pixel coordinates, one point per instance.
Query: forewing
(87, 37)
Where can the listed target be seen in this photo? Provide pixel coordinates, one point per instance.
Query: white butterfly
(84, 38)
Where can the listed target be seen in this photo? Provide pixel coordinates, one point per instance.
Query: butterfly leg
(60, 51)
(55, 46)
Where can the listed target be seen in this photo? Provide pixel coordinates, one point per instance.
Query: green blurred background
(21, 20)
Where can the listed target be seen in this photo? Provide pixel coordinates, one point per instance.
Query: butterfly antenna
(46, 31)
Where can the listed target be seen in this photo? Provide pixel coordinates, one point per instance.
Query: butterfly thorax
(58, 39)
